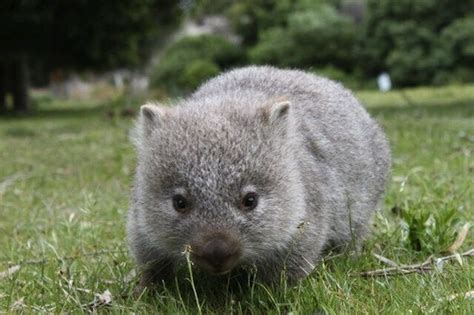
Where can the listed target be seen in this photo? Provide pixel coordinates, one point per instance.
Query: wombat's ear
(277, 111)
(151, 117)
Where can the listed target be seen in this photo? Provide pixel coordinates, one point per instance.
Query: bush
(317, 36)
(354, 80)
(274, 48)
(416, 56)
(403, 38)
(418, 42)
(199, 71)
(250, 18)
(177, 71)
(458, 40)
(423, 230)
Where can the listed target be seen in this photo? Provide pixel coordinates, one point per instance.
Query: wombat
(261, 168)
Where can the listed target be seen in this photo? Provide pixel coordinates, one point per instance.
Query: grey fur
(304, 143)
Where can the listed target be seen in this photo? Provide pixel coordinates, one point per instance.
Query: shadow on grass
(212, 292)
(239, 290)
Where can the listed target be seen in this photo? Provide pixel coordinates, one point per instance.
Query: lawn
(65, 174)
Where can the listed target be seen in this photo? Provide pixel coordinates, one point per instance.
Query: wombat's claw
(144, 284)
(138, 291)
(143, 289)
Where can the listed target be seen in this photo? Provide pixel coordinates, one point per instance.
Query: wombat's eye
(249, 201)
(180, 203)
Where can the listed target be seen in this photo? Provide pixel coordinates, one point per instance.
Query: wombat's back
(349, 155)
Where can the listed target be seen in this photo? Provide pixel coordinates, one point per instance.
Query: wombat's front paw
(138, 290)
(151, 278)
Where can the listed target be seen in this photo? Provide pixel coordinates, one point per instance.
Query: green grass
(65, 175)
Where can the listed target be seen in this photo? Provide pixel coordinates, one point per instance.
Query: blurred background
(124, 51)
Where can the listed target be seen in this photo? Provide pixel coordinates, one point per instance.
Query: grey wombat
(259, 167)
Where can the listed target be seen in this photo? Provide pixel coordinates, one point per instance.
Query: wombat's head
(221, 180)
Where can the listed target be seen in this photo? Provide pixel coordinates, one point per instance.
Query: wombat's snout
(217, 254)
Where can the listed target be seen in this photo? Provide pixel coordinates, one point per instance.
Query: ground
(65, 175)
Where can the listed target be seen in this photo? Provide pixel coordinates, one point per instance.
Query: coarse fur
(304, 143)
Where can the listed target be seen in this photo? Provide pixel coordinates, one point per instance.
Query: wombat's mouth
(217, 268)
(220, 273)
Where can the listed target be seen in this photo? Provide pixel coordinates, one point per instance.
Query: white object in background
(384, 82)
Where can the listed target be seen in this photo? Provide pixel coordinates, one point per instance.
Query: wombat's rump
(260, 167)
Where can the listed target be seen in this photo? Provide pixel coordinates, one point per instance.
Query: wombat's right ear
(151, 118)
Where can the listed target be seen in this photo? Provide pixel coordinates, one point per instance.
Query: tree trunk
(20, 84)
(3, 87)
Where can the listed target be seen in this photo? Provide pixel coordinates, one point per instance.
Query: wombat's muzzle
(217, 254)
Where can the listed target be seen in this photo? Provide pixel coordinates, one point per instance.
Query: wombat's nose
(220, 253)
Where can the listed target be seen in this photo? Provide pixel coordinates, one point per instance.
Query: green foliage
(202, 8)
(192, 59)
(314, 37)
(199, 71)
(301, 34)
(417, 42)
(274, 48)
(458, 40)
(403, 38)
(249, 17)
(416, 57)
(426, 231)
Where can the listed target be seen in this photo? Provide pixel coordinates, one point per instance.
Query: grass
(65, 174)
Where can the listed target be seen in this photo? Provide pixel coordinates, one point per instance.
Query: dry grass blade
(415, 268)
(468, 295)
(101, 300)
(385, 260)
(19, 305)
(9, 271)
(10, 180)
(187, 252)
(460, 238)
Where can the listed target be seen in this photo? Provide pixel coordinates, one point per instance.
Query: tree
(75, 35)
(458, 39)
(315, 36)
(251, 17)
(416, 41)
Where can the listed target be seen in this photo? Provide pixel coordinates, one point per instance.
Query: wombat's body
(260, 167)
